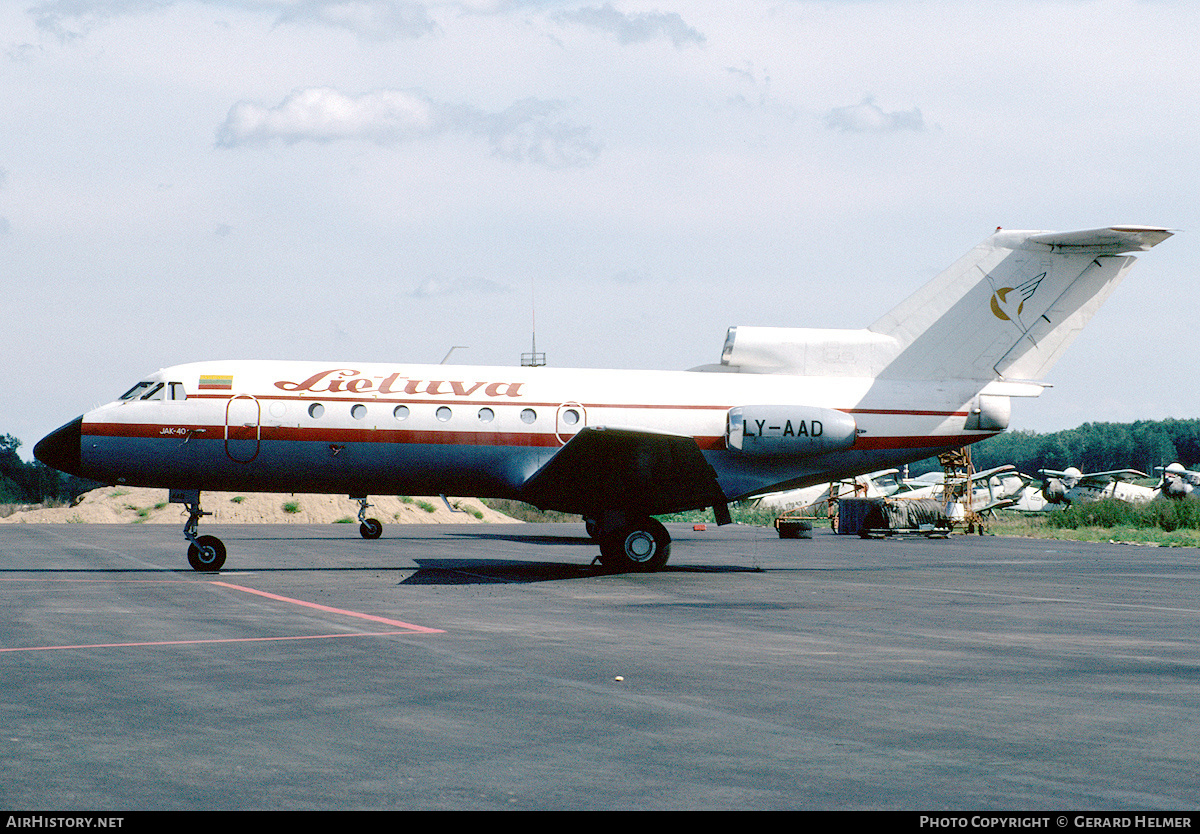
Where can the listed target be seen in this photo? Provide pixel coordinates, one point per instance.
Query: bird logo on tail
(1009, 302)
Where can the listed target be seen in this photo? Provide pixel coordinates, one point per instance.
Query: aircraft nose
(60, 448)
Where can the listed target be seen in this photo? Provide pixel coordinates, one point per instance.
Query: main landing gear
(368, 528)
(637, 544)
(205, 553)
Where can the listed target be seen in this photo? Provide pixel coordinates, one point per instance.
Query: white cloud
(320, 114)
(371, 19)
(524, 132)
(74, 18)
(527, 132)
(634, 28)
(368, 19)
(868, 117)
(434, 287)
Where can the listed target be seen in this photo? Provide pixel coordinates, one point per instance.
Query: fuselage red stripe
(444, 437)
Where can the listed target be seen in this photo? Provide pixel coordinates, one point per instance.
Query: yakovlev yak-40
(784, 408)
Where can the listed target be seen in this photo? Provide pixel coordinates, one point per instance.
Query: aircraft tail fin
(1002, 315)
(1010, 307)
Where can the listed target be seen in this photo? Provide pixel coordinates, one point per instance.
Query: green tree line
(34, 483)
(1093, 447)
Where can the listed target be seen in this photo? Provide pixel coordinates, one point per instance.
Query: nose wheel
(205, 553)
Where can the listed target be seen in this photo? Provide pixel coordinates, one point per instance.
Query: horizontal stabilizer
(1114, 240)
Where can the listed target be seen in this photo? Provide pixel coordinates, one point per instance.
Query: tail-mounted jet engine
(788, 430)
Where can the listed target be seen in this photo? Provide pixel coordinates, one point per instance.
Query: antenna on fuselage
(452, 349)
(533, 359)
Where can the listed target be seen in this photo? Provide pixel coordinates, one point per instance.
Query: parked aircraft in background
(1178, 482)
(784, 408)
(872, 485)
(1070, 486)
(992, 489)
(1030, 500)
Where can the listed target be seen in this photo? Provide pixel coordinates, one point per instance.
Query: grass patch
(427, 507)
(237, 499)
(742, 512)
(1161, 514)
(291, 507)
(526, 512)
(344, 520)
(1139, 524)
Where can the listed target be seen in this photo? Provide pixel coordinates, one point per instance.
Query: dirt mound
(137, 505)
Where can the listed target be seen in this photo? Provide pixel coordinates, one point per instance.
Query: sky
(383, 180)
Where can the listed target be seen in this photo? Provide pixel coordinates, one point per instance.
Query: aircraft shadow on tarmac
(489, 571)
(525, 539)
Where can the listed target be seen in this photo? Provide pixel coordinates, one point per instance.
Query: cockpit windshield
(136, 392)
(155, 391)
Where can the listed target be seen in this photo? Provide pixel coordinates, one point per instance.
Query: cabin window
(570, 417)
(400, 412)
(443, 413)
(359, 411)
(316, 410)
(528, 415)
(486, 415)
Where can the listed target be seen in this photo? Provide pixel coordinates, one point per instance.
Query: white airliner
(784, 408)
(1070, 486)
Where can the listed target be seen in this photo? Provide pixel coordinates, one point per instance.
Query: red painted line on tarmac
(397, 623)
(216, 640)
(407, 628)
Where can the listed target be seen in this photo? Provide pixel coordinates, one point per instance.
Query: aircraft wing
(1105, 478)
(987, 473)
(981, 476)
(642, 472)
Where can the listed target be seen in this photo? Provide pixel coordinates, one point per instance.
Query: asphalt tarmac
(491, 667)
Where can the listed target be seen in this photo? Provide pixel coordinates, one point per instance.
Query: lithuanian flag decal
(216, 382)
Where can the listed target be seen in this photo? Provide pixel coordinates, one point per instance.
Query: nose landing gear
(205, 553)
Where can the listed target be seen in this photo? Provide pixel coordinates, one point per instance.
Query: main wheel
(642, 546)
(206, 553)
(370, 529)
